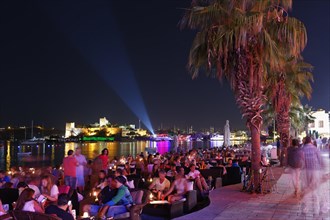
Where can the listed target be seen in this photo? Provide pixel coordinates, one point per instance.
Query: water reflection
(51, 154)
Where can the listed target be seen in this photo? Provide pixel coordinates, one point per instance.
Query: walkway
(228, 203)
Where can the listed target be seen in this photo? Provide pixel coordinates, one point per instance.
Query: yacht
(217, 137)
(34, 141)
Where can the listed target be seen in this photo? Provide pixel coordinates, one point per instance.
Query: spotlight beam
(91, 28)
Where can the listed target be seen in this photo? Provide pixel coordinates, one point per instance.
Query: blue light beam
(92, 29)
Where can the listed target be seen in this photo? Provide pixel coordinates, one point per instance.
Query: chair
(6, 217)
(191, 201)
(140, 199)
(24, 215)
(86, 201)
(164, 211)
(8, 196)
(136, 179)
(215, 172)
(233, 176)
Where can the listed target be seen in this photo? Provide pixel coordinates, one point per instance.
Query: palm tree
(285, 89)
(301, 116)
(306, 117)
(241, 40)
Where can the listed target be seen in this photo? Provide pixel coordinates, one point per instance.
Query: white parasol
(226, 135)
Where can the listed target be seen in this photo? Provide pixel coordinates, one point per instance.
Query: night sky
(63, 61)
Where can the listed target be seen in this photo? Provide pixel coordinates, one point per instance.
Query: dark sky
(64, 61)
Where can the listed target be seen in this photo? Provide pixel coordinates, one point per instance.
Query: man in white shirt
(81, 159)
(33, 184)
(160, 185)
(195, 175)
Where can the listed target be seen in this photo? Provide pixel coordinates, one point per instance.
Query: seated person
(245, 158)
(60, 210)
(106, 194)
(155, 169)
(8, 185)
(121, 172)
(180, 186)
(3, 178)
(172, 171)
(119, 203)
(101, 181)
(264, 161)
(209, 165)
(186, 167)
(229, 163)
(235, 164)
(159, 185)
(2, 210)
(199, 180)
(203, 165)
(15, 179)
(33, 183)
(48, 189)
(21, 186)
(58, 174)
(27, 202)
(139, 164)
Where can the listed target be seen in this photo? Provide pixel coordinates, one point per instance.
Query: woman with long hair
(26, 202)
(179, 186)
(48, 189)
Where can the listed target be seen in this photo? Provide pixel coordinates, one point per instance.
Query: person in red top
(105, 158)
(69, 165)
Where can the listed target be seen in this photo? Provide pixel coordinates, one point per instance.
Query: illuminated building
(102, 130)
(321, 124)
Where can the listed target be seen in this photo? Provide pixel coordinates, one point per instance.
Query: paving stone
(278, 205)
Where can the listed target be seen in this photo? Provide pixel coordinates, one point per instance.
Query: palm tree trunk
(284, 139)
(282, 105)
(256, 153)
(284, 131)
(249, 97)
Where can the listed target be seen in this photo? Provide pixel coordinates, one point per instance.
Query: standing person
(313, 166)
(88, 171)
(295, 162)
(81, 159)
(105, 159)
(70, 173)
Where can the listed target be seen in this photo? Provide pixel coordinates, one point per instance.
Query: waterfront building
(103, 129)
(321, 124)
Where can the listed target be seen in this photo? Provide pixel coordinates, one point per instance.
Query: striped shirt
(312, 157)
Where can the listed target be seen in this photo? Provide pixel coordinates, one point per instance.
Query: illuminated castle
(104, 129)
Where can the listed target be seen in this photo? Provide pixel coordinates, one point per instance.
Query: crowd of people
(308, 175)
(168, 177)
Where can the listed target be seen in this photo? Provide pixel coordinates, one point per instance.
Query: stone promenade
(228, 203)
